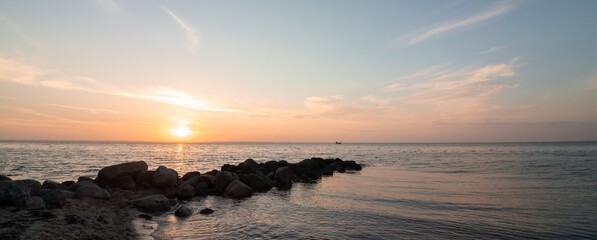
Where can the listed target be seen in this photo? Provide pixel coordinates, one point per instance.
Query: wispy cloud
(491, 50)
(430, 32)
(191, 35)
(17, 72)
(109, 5)
(85, 109)
(458, 91)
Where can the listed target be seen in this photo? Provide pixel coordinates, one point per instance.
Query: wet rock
(153, 203)
(164, 177)
(191, 181)
(351, 165)
(206, 211)
(256, 182)
(126, 182)
(77, 185)
(183, 212)
(283, 177)
(108, 174)
(189, 175)
(224, 178)
(248, 166)
(211, 173)
(337, 166)
(186, 191)
(171, 192)
(85, 179)
(229, 168)
(144, 179)
(209, 179)
(35, 203)
(17, 194)
(4, 177)
(68, 194)
(68, 183)
(55, 198)
(32, 186)
(92, 192)
(49, 184)
(237, 189)
(202, 189)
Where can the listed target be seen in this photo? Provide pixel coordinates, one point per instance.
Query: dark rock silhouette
(108, 174)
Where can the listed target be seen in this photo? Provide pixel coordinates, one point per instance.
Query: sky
(298, 71)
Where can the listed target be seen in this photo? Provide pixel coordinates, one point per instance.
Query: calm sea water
(407, 191)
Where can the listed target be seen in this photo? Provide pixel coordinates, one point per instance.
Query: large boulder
(144, 179)
(32, 186)
(209, 179)
(229, 168)
(35, 203)
(201, 189)
(237, 189)
(55, 198)
(153, 203)
(224, 178)
(186, 191)
(191, 181)
(283, 177)
(124, 182)
(92, 192)
(248, 166)
(110, 173)
(189, 175)
(164, 177)
(49, 184)
(17, 194)
(256, 182)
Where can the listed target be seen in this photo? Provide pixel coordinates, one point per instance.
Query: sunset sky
(298, 71)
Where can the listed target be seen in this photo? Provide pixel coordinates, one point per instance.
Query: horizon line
(282, 142)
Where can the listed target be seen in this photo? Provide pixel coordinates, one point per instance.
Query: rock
(17, 194)
(186, 191)
(327, 171)
(49, 184)
(171, 192)
(69, 194)
(83, 179)
(237, 189)
(206, 211)
(35, 203)
(4, 177)
(183, 212)
(77, 185)
(68, 183)
(257, 182)
(248, 166)
(55, 198)
(191, 181)
(224, 178)
(350, 165)
(92, 192)
(229, 168)
(209, 179)
(189, 175)
(202, 189)
(145, 216)
(108, 174)
(125, 182)
(212, 172)
(144, 179)
(153, 203)
(283, 177)
(72, 219)
(337, 166)
(164, 177)
(32, 186)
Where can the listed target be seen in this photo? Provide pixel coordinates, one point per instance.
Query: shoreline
(121, 201)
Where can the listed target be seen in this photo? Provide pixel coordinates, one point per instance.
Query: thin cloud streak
(191, 35)
(17, 72)
(428, 33)
(491, 50)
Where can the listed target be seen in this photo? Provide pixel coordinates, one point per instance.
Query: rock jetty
(134, 185)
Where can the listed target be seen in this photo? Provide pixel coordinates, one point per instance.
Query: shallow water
(429, 191)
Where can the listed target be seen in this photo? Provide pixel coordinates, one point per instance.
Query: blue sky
(299, 70)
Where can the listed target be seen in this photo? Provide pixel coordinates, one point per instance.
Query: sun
(181, 131)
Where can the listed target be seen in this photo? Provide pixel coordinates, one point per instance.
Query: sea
(405, 190)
